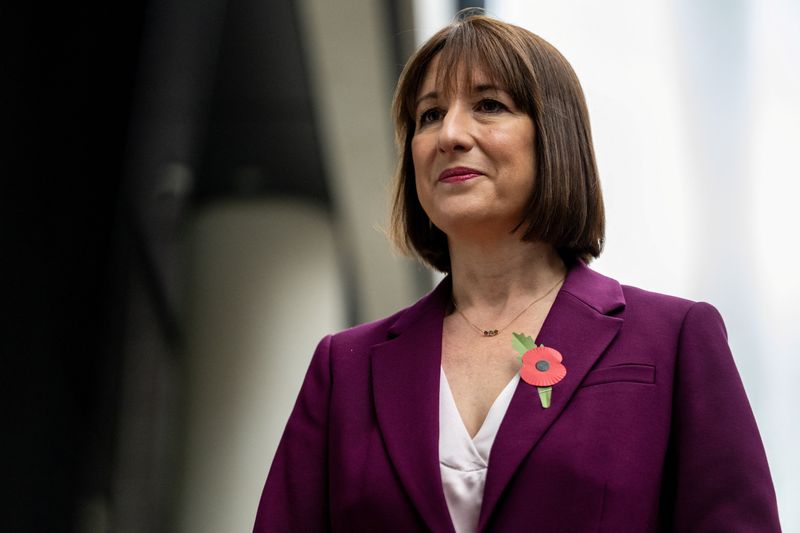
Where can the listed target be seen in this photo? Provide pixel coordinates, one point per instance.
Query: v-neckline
(480, 445)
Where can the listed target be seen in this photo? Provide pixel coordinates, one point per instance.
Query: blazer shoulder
(367, 333)
(639, 296)
(363, 336)
(663, 312)
(649, 302)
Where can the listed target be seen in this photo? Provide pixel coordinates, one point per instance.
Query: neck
(501, 277)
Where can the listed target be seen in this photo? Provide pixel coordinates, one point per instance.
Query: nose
(455, 134)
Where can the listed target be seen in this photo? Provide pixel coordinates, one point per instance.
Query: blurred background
(195, 193)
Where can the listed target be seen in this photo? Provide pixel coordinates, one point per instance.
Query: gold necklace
(495, 332)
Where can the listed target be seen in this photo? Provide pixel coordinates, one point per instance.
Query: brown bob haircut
(565, 208)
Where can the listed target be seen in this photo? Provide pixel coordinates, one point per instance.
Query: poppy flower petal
(543, 352)
(533, 376)
(542, 367)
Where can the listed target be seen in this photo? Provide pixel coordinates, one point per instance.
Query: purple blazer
(650, 430)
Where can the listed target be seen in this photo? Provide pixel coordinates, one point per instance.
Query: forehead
(447, 79)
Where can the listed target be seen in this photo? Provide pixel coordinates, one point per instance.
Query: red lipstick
(458, 174)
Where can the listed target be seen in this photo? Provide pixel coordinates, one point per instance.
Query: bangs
(474, 45)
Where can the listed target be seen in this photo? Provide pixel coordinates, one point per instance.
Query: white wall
(696, 123)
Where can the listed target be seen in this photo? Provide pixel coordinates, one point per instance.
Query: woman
(632, 417)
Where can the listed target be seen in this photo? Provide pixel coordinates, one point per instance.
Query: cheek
(417, 153)
(528, 148)
(424, 192)
(519, 153)
(420, 159)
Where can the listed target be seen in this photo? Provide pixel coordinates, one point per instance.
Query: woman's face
(473, 155)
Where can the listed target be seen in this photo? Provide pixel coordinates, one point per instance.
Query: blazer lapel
(578, 326)
(405, 384)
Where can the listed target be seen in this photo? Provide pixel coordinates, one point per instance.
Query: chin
(474, 223)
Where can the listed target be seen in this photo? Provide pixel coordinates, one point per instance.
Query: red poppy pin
(541, 366)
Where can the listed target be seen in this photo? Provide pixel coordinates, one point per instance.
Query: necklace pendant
(490, 332)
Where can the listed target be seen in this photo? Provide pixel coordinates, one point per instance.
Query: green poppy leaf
(522, 343)
(545, 395)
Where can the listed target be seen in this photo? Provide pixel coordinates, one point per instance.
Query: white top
(463, 461)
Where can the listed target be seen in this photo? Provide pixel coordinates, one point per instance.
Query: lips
(458, 174)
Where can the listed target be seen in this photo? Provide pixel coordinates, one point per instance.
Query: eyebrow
(477, 89)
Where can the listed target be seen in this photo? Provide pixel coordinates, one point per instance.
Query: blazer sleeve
(295, 496)
(718, 468)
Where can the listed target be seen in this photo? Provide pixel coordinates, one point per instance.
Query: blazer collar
(405, 385)
(581, 324)
(405, 381)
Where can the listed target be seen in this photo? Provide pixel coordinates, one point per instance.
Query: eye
(430, 115)
(489, 105)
